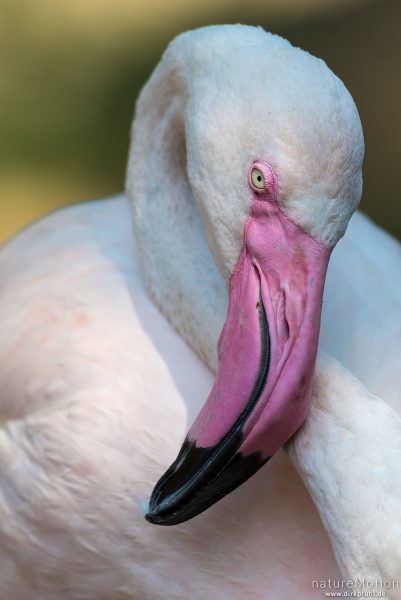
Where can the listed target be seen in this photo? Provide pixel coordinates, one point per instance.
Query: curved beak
(267, 351)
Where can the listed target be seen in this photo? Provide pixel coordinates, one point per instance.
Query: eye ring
(263, 180)
(257, 179)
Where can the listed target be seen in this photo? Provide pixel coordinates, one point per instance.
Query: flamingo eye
(257, 179)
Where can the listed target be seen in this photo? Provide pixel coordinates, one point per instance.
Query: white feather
(97, 386)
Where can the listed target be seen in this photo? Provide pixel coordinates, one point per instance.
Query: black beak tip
(154, 518)
(161, 512)
(155, 515)
(167, 508)
(164, 518)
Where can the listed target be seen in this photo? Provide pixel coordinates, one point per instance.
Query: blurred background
(70, 73)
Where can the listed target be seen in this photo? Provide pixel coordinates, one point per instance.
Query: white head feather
(220, 98)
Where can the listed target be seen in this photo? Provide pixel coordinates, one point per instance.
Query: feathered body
(98, 386)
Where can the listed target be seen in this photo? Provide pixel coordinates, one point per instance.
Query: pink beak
(267, 352)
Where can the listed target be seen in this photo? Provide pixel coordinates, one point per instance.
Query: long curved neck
(185, 283)
(348, 454)
(180, 272)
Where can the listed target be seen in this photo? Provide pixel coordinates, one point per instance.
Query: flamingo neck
(185, 283)
(180, 272)
(348, 454)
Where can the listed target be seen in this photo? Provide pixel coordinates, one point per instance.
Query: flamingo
(109, 346)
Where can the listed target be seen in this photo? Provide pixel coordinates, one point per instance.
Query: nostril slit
(286, 328)
(283, 326)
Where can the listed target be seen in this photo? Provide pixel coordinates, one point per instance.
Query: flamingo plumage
(98, 385)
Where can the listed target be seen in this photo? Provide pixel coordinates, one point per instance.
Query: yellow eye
(258, 179)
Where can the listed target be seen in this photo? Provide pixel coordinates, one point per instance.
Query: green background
(70, 73)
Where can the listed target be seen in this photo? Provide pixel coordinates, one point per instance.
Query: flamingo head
(274, 151)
